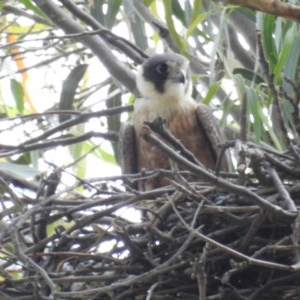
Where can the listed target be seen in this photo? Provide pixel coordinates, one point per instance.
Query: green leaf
(107, 157)
(283, 55)
(292, 61)
(260, 124)
(97, 12)
(199, 19)
(20, 171)
(99, 152)
(108, 18)
(114, 122)
(179, 13)
(18, 94)
(69, 90)
(170, 22)
(137, 26)
(131, 99)
(249, 75)
(240, 85)
(211, 92)
(113, 10)
(247, 13)
(23, 159)
(148, 2)
(196, 10)
(29, 5)
(268, 40)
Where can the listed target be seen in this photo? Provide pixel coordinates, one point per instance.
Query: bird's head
(164, 78)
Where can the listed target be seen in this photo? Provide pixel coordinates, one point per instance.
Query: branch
(64, 21)
(163, 31)
(63, 141)
(274, 210)
(274, 7)
(116, 41)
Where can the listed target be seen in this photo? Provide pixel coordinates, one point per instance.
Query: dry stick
(97, 45)
(81, 118)
(45, 62)
(241, 164)
(290, 170)
(199, 264)
(295, 100)
(63, 141)
(28, 262)
(274, 210)
(7, 8)
(157, 126)
(287, 201)
(239, 255)
(296, 238)
(164, 268)
(151, 290)
(244, 119)
(201, 275)
(254, 227)
(279, 282)
(118, 42)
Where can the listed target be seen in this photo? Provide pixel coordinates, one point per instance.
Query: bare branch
(274, 7)
(62, 20)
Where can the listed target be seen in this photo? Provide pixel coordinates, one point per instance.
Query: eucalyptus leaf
(18, 94)
(69, 88)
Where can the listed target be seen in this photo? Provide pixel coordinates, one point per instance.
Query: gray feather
(213, 132)
(127, 149)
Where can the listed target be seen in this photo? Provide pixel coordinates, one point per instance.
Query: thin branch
(63, 141)
(274, 7)
(7, 9)
(276, 211)
(119, 43)
(163, 31)
(286, 200)
(64, 21)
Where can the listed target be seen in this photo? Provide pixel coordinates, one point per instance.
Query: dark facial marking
(156, 72)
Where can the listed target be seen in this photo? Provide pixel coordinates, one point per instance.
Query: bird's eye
(162, 68)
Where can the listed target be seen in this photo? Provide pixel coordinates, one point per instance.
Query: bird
(165, 86)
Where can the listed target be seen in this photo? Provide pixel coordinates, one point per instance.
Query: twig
(64, 21)
(249, 260)
(163, 31)
(29, 262)
(242, 164)
(7, 8)
(219, 182)
(286, 201)
(119, 43)
(254, 227)
(63, 141)
(158, 127)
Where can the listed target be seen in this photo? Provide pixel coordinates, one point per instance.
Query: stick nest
(234, 237)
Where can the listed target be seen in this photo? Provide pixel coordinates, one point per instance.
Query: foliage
(67, 84)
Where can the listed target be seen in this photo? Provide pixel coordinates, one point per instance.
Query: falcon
(165, 85)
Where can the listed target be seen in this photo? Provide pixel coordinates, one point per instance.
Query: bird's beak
(178, 76)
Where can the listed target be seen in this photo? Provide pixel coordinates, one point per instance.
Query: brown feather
(182, 120)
